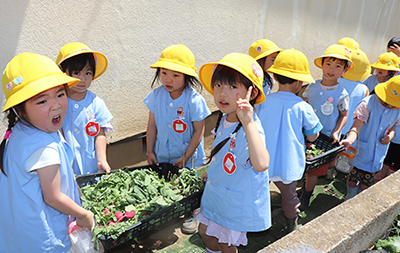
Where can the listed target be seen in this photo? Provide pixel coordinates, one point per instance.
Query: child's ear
(254, 93)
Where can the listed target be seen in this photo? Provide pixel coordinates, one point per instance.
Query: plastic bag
(81, 239)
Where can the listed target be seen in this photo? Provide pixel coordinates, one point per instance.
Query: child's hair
(78, 62)
(266, 76)
(283, 79)
(189, 80)
(229, 76)
(344, 62)
(394, 41)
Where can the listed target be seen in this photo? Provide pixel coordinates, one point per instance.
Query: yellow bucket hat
(292, 64)
(263, 48)
(75, 48)
(243, 63)
(177, 58)
(387, 61)
(389, 91)
(28, 74)
(362, 67)
(336, 51)
(349, 43)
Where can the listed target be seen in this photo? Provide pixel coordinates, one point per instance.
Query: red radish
(112, 222)
(107, 212)
(146, 214)
(130, 214)
(119, 216)
(308, 145)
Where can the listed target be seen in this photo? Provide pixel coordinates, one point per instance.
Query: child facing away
(236, 195)
(39, 195)
(385, 68)
(177, 115)
(289, 118)
(87, 118)
(331, 104)
(376, 119)
(394, 46)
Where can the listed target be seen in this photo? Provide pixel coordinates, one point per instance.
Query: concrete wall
(133, 33)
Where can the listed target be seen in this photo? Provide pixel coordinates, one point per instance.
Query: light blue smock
(284, 117)
(357, 92)
(78, 115)
(371, 152)
(371, 82)
(188, 108)
(28, 224)
(238, 201)
(318, 96)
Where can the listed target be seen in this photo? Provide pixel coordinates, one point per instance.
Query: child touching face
(236, 196)
(37, 181)
(87, 118)
(376, 119)
(385, 68)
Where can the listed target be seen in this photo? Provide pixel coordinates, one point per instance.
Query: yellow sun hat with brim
(263, 48)
(177, 58)
(349, 43)
(389, 91)
(293, 64)
(243, 63)
(76, 48)
(387, 61)
(29, 74)
(335, 51)
(362, 66)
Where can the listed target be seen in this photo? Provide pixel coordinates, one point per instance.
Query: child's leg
(228, 249)
(211, 242)
(290, 203)
(384, 172)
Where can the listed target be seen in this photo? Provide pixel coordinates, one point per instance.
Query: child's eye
(233, 87)
(41, 102)
(89, 73)
(61, 95)
(217, 85)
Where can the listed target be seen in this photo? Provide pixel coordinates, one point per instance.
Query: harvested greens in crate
(132, 201)
(323, 151)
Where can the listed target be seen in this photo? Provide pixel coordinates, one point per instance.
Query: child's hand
(86, 220)
(104, 166)
(335, 137)
(244, 109)
(395, 49)
(151, 159)
(385, 139)
(179, 162)
(204, 176)
(346, 143)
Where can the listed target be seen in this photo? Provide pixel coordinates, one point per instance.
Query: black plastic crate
(329, 155)
(165, 170)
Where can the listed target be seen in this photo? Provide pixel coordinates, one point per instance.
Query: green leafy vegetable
(312, 151)
(125, 197)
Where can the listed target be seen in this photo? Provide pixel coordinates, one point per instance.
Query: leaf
(392, 244)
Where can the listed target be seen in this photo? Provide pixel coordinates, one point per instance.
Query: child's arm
(339, 125)
(388, 135)
(151, 139)
(258, 152)
(50, 183)
(353, 134)
(100, 145)
(197, 135)
(312, 138)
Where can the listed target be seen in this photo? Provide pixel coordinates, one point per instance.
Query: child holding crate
(376, 119)
(331, 104)
(289, 118)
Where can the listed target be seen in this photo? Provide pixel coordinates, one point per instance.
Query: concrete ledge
(353, 225)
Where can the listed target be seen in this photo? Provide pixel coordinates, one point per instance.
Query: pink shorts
(223, 234)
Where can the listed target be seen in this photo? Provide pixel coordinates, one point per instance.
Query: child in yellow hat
(386, 67)
(38, 191)
(236, 196)
(87, 118)
(287, 120)
(381, 112)
(177, 115)
(330, 102)
(265, 51)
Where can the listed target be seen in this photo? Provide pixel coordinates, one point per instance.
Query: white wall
(133, 33)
